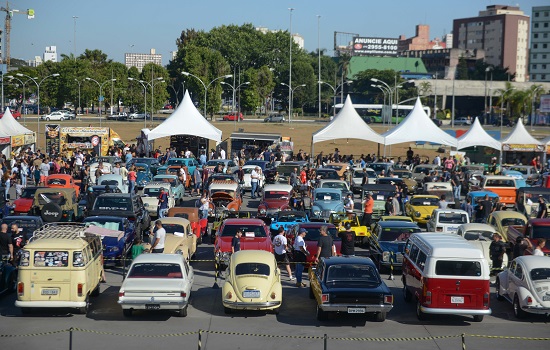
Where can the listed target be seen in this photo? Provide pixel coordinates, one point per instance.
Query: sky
(120, 26)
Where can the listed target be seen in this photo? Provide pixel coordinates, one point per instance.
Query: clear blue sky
(113, 26)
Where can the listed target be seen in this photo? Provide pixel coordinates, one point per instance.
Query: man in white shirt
(254, 180)
(437, 160)
(78, 160)
(158, 238)
(279, 246)
(222, 153)
(300, 255)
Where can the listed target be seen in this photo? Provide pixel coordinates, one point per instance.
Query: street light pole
(319, 54)
(100, 90)
(74, 36)
(290, 9)
(533, 105)
(144, 101)
(501, 117)
(291, 94)
(206, 86)
(152, 84)
(23, 109)
(389, 94)
(334, 89)
(236, 114)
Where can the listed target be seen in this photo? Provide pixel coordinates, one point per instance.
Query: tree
(156, 77)
(462, 69)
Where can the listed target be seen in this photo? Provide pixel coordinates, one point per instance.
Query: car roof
(341, 260)
(450, 211)
(116, 195)
(483, 193)
(533, 261)
(64, 176)
(424, 196)
(224, 185)
(534, 189)
(175, 220)
(327, 190)
(157, 184)
(158, 258)
(502, 214)
(397, 224)
(21, 218)
(446, 245)
(315, 225)
(247, 221)
(165, 176)
(278, 187)
(477, 226)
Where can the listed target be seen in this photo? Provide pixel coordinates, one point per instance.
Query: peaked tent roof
(519, 135)
(477, 136)
(545, 141)
(417, 126)
(10, 126)
(186, 120)
(347, 125)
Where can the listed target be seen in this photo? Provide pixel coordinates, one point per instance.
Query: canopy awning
(11, 127)
(477, 136)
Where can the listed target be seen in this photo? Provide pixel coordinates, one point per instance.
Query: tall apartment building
(139, 60)
(539, 63)
(50, 54)
(502, 32)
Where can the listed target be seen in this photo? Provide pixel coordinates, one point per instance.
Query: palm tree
(504, 97)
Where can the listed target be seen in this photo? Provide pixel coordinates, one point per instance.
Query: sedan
(138, 116)
(275, 118)
(57, 115)
(462, 121)
(157, 282)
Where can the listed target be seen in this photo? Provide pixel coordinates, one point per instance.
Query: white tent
(477, 136)
(186, 120)
(10, 126)
(545, 141)
(347, 125)
(520, 136)
(417, 126)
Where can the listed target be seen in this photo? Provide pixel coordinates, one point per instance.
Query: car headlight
(316, 212)
(417, 214)
(263, 211)
(386, 256)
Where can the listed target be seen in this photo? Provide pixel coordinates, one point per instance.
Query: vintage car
(526, 284)
(520, 181)
(190, 163)
(387, 242)
(97, 190)
(56, 205)
(228, 165)
(312, 237)
(396, 218)
(176, 170)
(225, 195)
(340, 219)
(252, 282)
(528, 172)
(480, 236)
(327, 174)
(23, 204)
(440, 189)
(501, 219)
(150, 196)
(255, 237)
(217, 177)
(406, 175)
(472, 179)
(447, 220)
(380, 167)
(275, 197)
(179, 237)
(157, 282)
(106, 166)
(477, 196)
(380, 194)
(420, 171)
(178, 190)
(357, 179)
(198, 226)
(152, 162)
(247, 169)
(114, 247)
(527, 200)
(420, 207)
(113, 180)
(395, 181)
(62, 181)
(338, 184)
(143, 175)
(26, 223)
(325, 202)
(220, 216)
(504, 186)
(349, 285)
(286, 219)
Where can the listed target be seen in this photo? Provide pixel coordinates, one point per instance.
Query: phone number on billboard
(380, 47)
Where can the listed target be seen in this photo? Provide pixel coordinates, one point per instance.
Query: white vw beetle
(526, 284)
(481, 236)
(151, 193)
(157, 282)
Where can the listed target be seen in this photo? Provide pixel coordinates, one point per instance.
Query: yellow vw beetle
(420, 207)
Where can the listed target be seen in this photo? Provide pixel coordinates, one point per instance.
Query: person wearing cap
(543, 209)
(280, 244)
(163, 203)
(90, 198)
(348, 240)
(388, 207)
(300, 256)
(254, 180)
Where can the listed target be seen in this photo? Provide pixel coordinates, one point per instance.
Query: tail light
(324, 298)
(388, 299)
(132, 218)
(273, 295)
(64, 215)
(439, 229)
(529, 301)
(79, 289)
(120, 294)
(183, 294)
(20, 288)
(428, 298)
(229, 295)
(486, 300)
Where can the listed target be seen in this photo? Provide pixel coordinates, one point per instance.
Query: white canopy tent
(11, 127)
(520, 136)
(346, 125)
(417, 126)
(186, 120)
(477, 136)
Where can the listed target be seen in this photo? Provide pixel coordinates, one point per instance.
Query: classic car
(225, 195)
(325, 202)
(219, 218)
(286, 219)
(501, 219)
(420, 207)
(480, 236)
(477, 196)
(112, 160)
(27, 223)
(107, 169)
(179, 237)
(327, 173)
(255, 237)
(380, 194)
(221, 177)
(504, 186)
(395, 181)
(340, 219)
(526, 284)
(357, 179)
(349, 285)
(62, 181)
(285, 169)
(275, 197)
(339, 167)
(407, 177)
(387, 242)
(150, 196)
(380, 167)
(338, 184)
(472, 179)
(98, 190)
(56, 204)
(247, 169)
(518, 176)
(447, 220)
(114, 247)
(157, 282)
(440, 189)
(420, 171)
(528, 172)
(178, 190)
(176, 170)
(143, 175)
(113, 180)
(190, 163)
(23, 204)
(396, 218)
(312, 237)
(252, 282)
(527, 200)
(152, 162)
(8, 277)
(198, 226)
(228, 165)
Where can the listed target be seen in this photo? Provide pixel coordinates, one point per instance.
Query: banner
(545, 104)
(374, 46)
(52, 137)
(29, 139)
(523, 147)
(17, 141)
(5, 140)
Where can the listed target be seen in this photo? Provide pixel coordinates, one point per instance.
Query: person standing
(162, 203)
(543, 209)
(538, 251)
(158, 237)
(455, 181)
(325, 245)
(300, 256)
(280, 244)
(443, 204)
(254, 179)
(197, 180)
(293, 178)
(468, 208)
(6, 246)
(497, 251)
(486, 207)
(236, 241)
(205, 205)
(348, 240)
(18, 241)
(44, 171)
(348, 206)
(368, 204)
(388, 207)
(132, 178)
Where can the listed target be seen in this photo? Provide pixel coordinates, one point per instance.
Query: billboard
(545, 104)
(368, 46)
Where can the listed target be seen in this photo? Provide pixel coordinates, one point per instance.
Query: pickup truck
(504, 186)
(534, 230)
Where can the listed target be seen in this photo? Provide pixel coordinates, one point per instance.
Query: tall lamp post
(23, 109)
(384, 90)
(389, 93)
(152, 85)
(319, 58)
(235, 113)
(144, 101)
(334, 89)
(487, 70)
(533, 104)
(290, 9)
(38, 97)
(100, 95)
(79, 104)
(291, 90)
(503, 93)
(206, 86)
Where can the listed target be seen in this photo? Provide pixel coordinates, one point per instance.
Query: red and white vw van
(446, 275)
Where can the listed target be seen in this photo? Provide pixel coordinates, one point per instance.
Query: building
(421, 41)
(539, 61)
(502, 32)
(36, 62)
(298, 39)
(139, 60)
(50, 54)
(443, 63)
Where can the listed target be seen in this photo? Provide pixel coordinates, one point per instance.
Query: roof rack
(62, 230)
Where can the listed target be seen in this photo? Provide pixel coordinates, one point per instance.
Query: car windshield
(327, 196)
(338, 217)
(512, 221)
(425, 170)
(252, 269)
(105, 223)
(155, 270)
(141, 168)
(522, 170)
(338, 185)
(359, 173)
(51, 197)
(453, 218)
(425, 202)
(327, 174)
(533, 197)
(248, 231)
(500, 183)
(396, 234)
(293, 217)
(478, 235)
(313, 233)
(457, 268)
(151, 191)
(222, 190)
(378, 167)
(173, 181)
(354, 273)
(113, 203)
(57, 182)
(276, 195)
(213, 163)
(113, 183)
(403, 174)
(540, 274)
(176, 229)
(175, 162)
(28, 193)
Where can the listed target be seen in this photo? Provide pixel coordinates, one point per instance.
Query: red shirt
(132, 176)
(303, 177)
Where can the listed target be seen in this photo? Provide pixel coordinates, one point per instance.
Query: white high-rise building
(50, 54)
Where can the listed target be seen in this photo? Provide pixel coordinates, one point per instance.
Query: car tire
(419, 313)
(275, 311)
(379, 316)
(311, 295)
(95, 292)
(47, 118)
(183, 312)
(497, 290)
(227, 310)
(127, 312)
(84, 310)
(478, 318)
(407, 295)
(321, 315)
(61, 119)
(518, 311)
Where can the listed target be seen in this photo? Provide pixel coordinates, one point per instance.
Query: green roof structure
(399, 64)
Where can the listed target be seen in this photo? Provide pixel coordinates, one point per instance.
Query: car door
(316, 282)
(515, 280)
(505, 278)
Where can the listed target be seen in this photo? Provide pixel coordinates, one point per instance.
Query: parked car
(420, 207)
(118, 116)
(152, 162)
(527, 200)
(422, 170)
(56, 205)
(233, 117)
(114, 247)
(8, 277)
(362, 233)
(157, 282)
(97, 190)
(198, 226)
(57, 115)
(387, 242)
(312, 237)
(252, 282)
(501, 219)
(113, 181)
(518, 176)
(14, 113)
(226, 195)
(338, 184)
(357, 180)
(286, 219)
(190, 163)
(327, 173)
(23, 204)
(481, 237)
(132, 116)
(350, 285)
(143, 175)
(380, 194)
(378, 167)
(68, 114)
(275, 118)
(462, 121)
(275, 197)
(325, 202)
(526, 284)
(228, 164)
(247, 169)
(150, 197)
(447, 220)
(106, 167)
(179, 239)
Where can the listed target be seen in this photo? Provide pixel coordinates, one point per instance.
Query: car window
(419, 202)
(421, 261)
(155, 270)
(248, 230)
(519, 271)
(540, 274)
(512, 221)
(51, 197)
(113, 203)
(327, 196)
(174, 229)
(500, 183)
(453, 218)
(57, 182)
(414, 253)
(396, 234)
(252, 269)
(457, 268)
(352, 273)
(51, 258)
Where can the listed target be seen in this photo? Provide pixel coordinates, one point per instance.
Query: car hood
(151, 201)
(424, 210)
(23, 204)
(394, 247)
(357, 290)
(247, 243)
(252, 282)
(153, 284)
(328, 205)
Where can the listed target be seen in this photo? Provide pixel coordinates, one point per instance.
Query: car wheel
(518, 311)
(275, 311)
(478, 318)
(227, 310)
(61, 118)
(407, 295)
(311, 295)
(127, 312)
(380, 316)
(47, 118)
(321, 315)
(84, 310)
(183, 312)
(95, 292)
(419, 313)
(497, 290)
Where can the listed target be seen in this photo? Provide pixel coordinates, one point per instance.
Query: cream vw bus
(60, 267)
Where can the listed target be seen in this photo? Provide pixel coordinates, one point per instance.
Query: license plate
(152, 307)
(452, 229)
(251, 294)
(50, 291)
(546, 298)
(356, 310)
(457, 300)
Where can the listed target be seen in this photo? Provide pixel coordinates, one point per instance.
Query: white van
(447, 220)
(445, 275)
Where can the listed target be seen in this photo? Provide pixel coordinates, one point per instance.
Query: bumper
(251, 306)
(163, 305)
(437, 311)
(50, 304)
(344, 307)
(536, 310)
